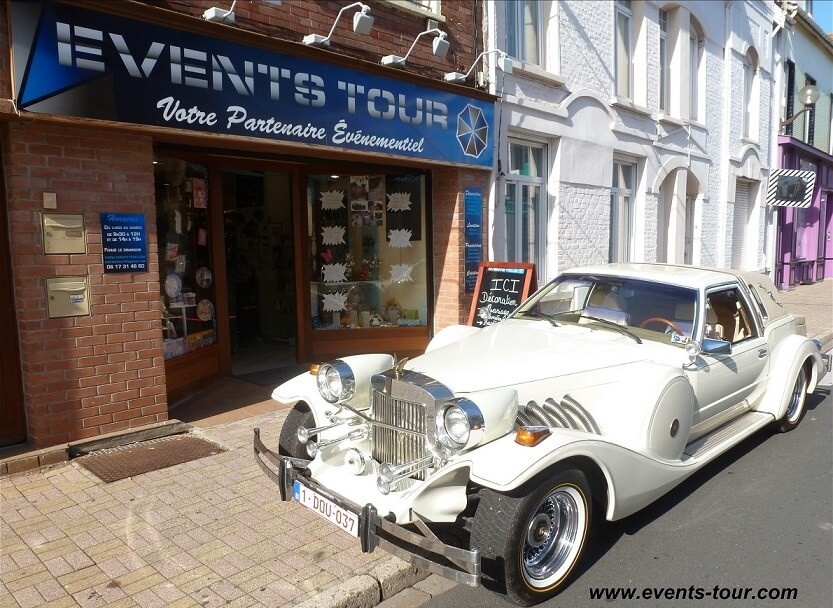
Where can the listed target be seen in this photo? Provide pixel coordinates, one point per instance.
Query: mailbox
(64, 233)
(67, 297)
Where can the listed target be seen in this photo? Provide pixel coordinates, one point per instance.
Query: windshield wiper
(616, 326)
(537, 315)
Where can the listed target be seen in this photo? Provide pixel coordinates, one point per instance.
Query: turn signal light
(532, 435)
(313, 368)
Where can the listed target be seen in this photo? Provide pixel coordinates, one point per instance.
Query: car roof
(693, 277)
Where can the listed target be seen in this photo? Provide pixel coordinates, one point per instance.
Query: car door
(728, 384)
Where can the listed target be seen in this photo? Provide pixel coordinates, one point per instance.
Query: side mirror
(713, 346)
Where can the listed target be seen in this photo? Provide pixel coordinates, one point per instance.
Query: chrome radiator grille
(394, 446)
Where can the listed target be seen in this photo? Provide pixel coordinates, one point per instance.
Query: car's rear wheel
(531, 543)
(288, 443)
(797, 405)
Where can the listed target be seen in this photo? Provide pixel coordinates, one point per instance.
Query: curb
(825, 340)
(382, 582)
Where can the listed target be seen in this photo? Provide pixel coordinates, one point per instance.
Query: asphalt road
(759, 517)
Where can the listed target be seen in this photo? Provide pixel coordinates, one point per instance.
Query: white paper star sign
(399, 201)
(334, 302)
(400, 238)
(334, 199)
(334, 273)
(401, 273)
(332, 235)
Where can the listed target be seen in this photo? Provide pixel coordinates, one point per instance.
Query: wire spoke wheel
(553, 535)
(796, 403)
(531, 541)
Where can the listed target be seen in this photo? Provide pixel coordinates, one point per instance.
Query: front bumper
(423, 550)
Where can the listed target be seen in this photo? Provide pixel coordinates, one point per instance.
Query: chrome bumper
(423, 550)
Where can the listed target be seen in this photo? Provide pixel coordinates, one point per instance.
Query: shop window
(186, 272)
(367, 236)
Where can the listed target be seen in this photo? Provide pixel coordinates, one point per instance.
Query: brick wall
(393, 29)
(83, 376)
(451, 303)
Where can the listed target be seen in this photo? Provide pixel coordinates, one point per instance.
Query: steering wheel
(664, 322)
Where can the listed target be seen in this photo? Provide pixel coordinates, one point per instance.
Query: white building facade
(632, 130)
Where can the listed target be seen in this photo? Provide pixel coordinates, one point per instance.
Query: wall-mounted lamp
(362, 24)
(504, 63)
(440, 47)
(220, 15)
(808, 96)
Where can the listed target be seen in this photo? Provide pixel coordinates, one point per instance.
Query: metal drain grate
(112, 464)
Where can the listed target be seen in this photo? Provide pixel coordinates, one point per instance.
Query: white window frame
(810, 117)
(664, 63)
(622, 212)
(750, 96)
(423, 8)
(623, 82)
(537, 250)
(696, 49)
(517, 42)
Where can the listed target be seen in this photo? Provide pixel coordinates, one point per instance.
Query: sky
(823, 14)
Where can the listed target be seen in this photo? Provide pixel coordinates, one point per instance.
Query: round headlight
(336, 381)
(456, 425)
(459, 425)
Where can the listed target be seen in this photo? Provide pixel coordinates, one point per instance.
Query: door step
(721, 439)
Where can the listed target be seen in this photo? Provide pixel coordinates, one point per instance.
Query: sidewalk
(211, 532)
(815, 302)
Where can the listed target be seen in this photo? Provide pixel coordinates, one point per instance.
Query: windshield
(646, 310)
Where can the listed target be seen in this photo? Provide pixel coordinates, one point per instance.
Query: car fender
(788, 357)
(648, 407)
(304, 387)
(633, 480)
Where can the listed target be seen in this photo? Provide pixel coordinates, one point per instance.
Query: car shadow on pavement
(609, 533)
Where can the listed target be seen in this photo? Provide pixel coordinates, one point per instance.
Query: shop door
(12, 419)
(260, 266)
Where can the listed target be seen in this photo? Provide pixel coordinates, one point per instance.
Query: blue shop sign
(124, 242)
(473, 235)
(78, 62)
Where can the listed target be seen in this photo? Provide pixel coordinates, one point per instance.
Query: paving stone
(407, 598)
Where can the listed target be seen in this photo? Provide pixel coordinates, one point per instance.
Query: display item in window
(332, 200)
(205, 310)
(173, 285)
(204, 277)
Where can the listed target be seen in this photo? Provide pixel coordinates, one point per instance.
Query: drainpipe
(726, 136)
(788, 11)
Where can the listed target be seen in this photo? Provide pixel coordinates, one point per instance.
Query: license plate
(312, 500)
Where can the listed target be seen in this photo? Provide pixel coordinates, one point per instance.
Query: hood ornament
(399, 366)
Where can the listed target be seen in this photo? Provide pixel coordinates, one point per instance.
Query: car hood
(519, 351)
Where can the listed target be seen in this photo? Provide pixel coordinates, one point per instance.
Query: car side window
(728, 317)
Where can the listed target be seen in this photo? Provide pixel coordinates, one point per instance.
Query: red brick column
(451, 303)
(84, 376)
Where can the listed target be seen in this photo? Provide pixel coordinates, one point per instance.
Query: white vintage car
(604, 390)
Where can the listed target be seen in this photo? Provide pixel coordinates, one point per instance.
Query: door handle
(761, 353)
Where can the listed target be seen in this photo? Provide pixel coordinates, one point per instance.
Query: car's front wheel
(797, 405)
(288, 443)
(531, 543)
